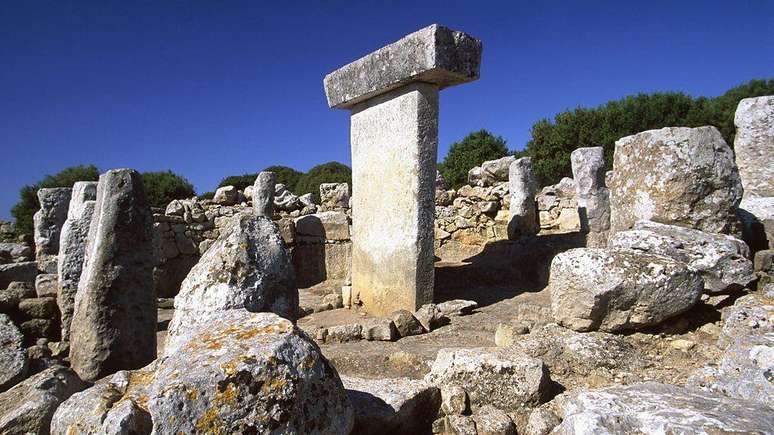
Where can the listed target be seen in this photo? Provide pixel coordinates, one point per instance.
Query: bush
(287, 176)
(238, 181)
(207, 195)
(163, 187)
(331, 172)
(28, 203)
(473, 150)
(552, 142)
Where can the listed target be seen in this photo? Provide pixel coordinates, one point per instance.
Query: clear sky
(215, 88)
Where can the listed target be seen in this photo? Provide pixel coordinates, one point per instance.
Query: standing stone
(588, 171)
(72, 248)
(676, 175)
(393, 97)
(248, 267)
(754, 145)
(114, 319)
(48, 223)
(523, 187)
(263, 194)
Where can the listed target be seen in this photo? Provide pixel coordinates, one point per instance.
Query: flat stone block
(434, 54)
(46, 284)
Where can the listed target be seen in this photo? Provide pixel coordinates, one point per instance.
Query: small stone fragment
(454, 400)
(406, 323)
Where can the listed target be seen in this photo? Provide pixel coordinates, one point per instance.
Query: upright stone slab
(48, 223)
(72, 248)
(522, 185)
(114, 319)
(393, 96)
(754, 145)
(263, 194)
(588, 170)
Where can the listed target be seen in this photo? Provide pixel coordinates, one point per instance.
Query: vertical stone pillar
(48, 223)
(72, 248)
(522, 185)
(114, 318)
(588, 170)
(393, 97)
(754, 145)
(263, 194)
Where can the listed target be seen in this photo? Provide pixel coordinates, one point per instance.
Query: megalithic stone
(263, 194)
(588, 170)
(754, 145)
(393, 97)
(72, 248)
(114, 319)
(48, 223)
(522, 185)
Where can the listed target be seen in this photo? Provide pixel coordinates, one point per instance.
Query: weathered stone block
(319, 227)
(49, 219)
(263, 193)
(522, 185)
(754, 145)
(434, 54)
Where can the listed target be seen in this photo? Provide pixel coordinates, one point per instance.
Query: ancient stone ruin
(637, 298)
(393, 96)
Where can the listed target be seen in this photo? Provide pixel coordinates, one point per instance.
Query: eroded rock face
(389, 406)
(501, 377)
(659, 408)
(226, 195)
(114, 316)
(754, 145)
(263, 193)
(13, 356)
(240, 372)
(247, 267)
(746, 367)
(675, 175)
(72, 249)
(722, 261)
(334, 196)
(28, 406)
(48, 222)
(522, 185)
(619, 289)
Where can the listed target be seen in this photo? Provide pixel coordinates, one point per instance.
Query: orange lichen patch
(193, 394)
(226, 397)
(229, 368)
(72, 430)
(273, 385)
(210, 422)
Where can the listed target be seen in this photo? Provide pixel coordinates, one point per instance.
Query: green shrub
(28, 203)
(473, 150)
(553, 141)
(287, 176)
(207, 195)
(239, 181)
(164, 186)
(331, 172)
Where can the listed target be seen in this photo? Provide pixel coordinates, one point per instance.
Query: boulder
(474, 176)
(541, 422)
(457, 307)
(391, 406)
(175, 208)
(334, 196)
(406, 323)
(114, 315)
(747, 341)
(675, 175)
(757, 218)
(619, 289)
(754, 145)
(319, 227)
(48, 221)
(29, 405)
(15, 252)
(247, 267)
(501, 377)
(226, 195)
(722, 261)
(379, 329)
(659, 408)
(237, 372)
(492, 421)
(429, 316)
(13, 356)
(21, 272)
(494, 171)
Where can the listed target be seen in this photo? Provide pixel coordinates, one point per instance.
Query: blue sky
(214, 88)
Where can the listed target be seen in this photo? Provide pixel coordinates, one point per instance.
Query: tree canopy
(553, 141)
(474, 149)
(164, 186)
(286, 175)
(331, 172)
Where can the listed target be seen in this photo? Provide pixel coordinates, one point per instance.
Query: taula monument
(392, 95)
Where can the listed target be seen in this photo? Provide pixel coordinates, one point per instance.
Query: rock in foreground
(28, 406)
(722, 261)
(241, 372)
(13, 357)
(619, 289)
(248, 267)
(659, 408)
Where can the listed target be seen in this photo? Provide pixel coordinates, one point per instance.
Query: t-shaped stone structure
(393, 96)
